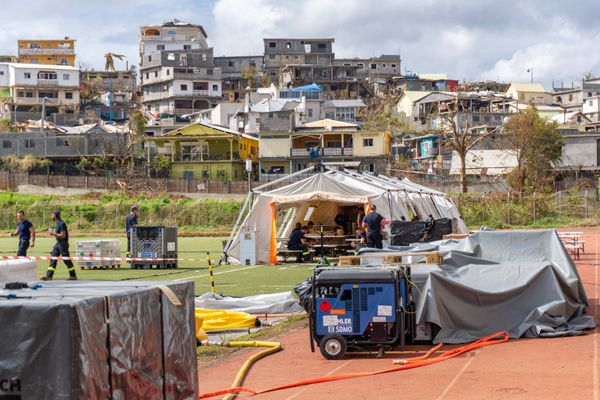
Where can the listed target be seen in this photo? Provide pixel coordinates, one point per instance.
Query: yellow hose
(272, 347)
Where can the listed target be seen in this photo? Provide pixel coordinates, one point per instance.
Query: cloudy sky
(478, 39)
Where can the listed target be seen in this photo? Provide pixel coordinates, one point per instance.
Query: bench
(285, 253)
(575, 248)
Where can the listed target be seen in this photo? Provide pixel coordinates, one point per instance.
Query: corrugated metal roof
(347, 103)
(527, 87)
(323, 123)
(433, 77)
(415, 95)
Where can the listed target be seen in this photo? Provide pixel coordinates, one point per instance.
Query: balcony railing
(324, 152)
(36, 100)
(47, 82)
(46, 52)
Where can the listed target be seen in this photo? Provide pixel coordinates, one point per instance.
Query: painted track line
(333, 371)
(218, 273)
(457, 377)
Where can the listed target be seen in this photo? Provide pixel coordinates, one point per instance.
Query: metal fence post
(534, 210)
(586, 204)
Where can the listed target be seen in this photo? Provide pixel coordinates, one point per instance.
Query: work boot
(45, 278)
(72, 278)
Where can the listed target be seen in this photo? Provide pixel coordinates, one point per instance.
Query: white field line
(596, 334)
(333, 371)
(458, 375)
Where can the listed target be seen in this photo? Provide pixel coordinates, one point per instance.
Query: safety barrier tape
(78, 258)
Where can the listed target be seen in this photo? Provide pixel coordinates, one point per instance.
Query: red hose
(416, 362)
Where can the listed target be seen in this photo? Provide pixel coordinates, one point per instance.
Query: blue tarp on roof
(312, 86)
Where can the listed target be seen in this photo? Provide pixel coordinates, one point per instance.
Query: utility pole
(249, 172)
(530, 70)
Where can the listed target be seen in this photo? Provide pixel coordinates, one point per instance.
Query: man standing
(61, 248)
(26, 234)
(130, 222)
(372, 222)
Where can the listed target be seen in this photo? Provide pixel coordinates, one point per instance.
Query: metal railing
(324, 152)
(46, 51)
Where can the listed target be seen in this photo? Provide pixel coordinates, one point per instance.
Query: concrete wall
(580, 151)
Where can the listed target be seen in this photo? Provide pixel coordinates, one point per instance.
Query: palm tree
(110, 64)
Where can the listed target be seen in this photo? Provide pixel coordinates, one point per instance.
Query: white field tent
(274, 213)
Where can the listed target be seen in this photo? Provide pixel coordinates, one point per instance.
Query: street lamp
(249, 172)
(530, 70)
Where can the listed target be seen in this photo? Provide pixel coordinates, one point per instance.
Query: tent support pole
(303, 171)
(237, 224)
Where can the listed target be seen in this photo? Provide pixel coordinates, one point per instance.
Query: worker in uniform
(373, 222)
(298, 241)
(26, 234)
(361, 235)
(341, 221)
(130, 222)
(61, 248)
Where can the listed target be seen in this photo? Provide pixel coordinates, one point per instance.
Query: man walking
(130, 222)
(372, 222)
(61, 248)
(26, 234)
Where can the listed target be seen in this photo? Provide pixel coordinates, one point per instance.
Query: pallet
(455, 236)
(431, 257)
(116, 266)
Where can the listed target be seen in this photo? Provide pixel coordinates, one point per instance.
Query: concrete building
(115, 91)
(376, 72)
(48, 52)
(177, 70)
(297, 62)
(32, 85)
(323, 141)
(525, 93)
(239, 73)
(180, 82)
(170, 36)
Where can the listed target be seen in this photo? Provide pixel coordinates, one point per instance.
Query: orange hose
(496, 338)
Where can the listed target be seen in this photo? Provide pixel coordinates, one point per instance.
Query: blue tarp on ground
(312, 86)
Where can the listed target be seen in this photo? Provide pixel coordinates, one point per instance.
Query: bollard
(210, 271)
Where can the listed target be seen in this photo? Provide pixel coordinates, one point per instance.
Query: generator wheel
(333, 346)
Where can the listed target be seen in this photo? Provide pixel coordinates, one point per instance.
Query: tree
(110, 62)
(459, 137)
(537, 145)
(7, 126)
(379, 115)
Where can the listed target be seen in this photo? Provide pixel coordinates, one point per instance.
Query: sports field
(234, 280)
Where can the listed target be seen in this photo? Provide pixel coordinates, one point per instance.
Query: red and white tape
(60, 258)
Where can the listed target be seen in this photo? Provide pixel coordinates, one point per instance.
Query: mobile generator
(360, 309)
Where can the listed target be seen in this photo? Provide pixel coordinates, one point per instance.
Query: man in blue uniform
(372, 222)
(130, 222)
(298, 241)
(61, 248)
(26, 234)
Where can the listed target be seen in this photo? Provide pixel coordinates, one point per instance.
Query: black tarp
(99, 340)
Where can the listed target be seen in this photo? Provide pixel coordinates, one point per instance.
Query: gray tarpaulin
(274, 303)
(99, 340)
(522, 282)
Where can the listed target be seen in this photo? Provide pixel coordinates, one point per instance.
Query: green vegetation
(106, 212)
(535, 210)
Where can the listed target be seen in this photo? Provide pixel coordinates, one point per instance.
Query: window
(160, 47)
(270, 115)
(475, 118)
(288, 45)
(393, 65)
(48, 75)
(203, 57)
(6, 144)
(360, 65)
(187, 46)
(272, 45)
(1, 73)
(321, 46)
(149, 58)
(66, 77)
(252, 64)
(310, 112)
(271, 56)
(200, 85)
(29, 143)
(383, 65)
(371, 167)
(29, 94)
(209, 71)
(183, 88)
(48, 95)
(63, 61)
(20, 94)
(347, 65)
(34, 60)
(156, 74)
(230, 63)
(215, 88)
(68, 95)
(60, 142)
(147, 75)
(168, 71)
(368, 142)
(373, 66)
(27, 75)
